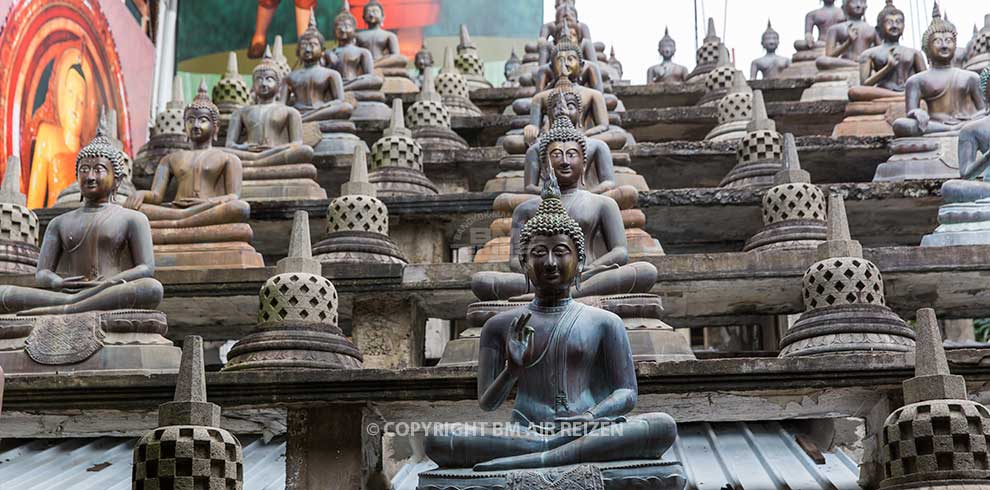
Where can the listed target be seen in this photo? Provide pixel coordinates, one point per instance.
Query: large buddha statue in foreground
(95, 258)
(572, 368)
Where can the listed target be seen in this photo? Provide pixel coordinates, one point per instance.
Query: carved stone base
(401, 181)
(873, 118)
(754, 175)
(978, 62)
(221, 255)
(282, 189)
(712, 97)
(934, 156)
(619, 475)
(803, 64)
(439, 138)
(962, 224)
(18, 258)
(730, 131)
(118, 341)
(357, 247)
(366, 110)
(831, 85)
(294, 345)
(650, 338)
(461, 106)
(399, 85)
(793, 234)
(845, 329)
(336, 141)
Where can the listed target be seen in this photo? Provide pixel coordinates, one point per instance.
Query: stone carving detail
(357, 213)
(720, 79)
(18, 224)
(842, 281)
(793, 201)
(582, 477)
(938, 436)
(427, 114)
(64, 339)
(396, 151)
(760, 146)
(735, 106)
(298, 296)
(188, 457)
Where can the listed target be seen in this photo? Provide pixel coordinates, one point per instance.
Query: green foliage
(982, 328)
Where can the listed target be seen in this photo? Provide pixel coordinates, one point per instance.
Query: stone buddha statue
(811, 47)
(839, 66)
(423, 62)
(267, 136)
(205, 224)
(667, 70)
(356, 66)
(572, 366)
(883, 72)
(771, 64)
(95, 258)
(384, 46)
(316, 91)
(928, 136)
(511, 71)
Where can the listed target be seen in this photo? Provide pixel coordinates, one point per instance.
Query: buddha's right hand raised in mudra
(518, 343)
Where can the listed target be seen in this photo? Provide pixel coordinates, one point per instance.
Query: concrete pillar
(390, 330)
(329, 447)
(421, 242)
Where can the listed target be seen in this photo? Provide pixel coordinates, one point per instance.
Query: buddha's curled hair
(562, 129)
(101, 146)
(551, 219)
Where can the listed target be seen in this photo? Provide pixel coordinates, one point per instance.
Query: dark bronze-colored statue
(512, 66)
(571, 364)
(885, 69)
(822, 19)
(95, 258)
(356, 66)
(423, 62)
(845, 41)
(563, 152)
(316, 91)
(770, 64)
(384, 45)
(666, 71)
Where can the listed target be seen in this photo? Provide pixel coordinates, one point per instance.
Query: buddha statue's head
(373, 14)
(201, 117)
(566, 55)
(667, 47)
(69, 91)
(423, 60)
(771, 40)
(512, 64)
(565, 102)
(310, 47)
(566, 12)
(829, 3)
(551, 244)
(939, 41)
(563, 152)
(890, 22)
(266, 78)
(99, 169)
(854, 9)
(560, 3)
(344, 25)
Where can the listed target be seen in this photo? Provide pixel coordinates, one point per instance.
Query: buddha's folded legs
(965, 190)
(205, 214)
(831, 63)
(863, 93)
(637, 277)
(645, 436)
(144, 293)
(391, 61)
(616, 138)
(364, 82)
(464, 445)
(282, 155)
(334, 110)
(909, 127)
(491, 286)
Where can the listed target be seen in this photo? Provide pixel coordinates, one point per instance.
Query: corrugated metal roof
(105, 464)
(741, 455)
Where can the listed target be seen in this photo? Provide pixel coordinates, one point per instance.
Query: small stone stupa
(397, 160)
(469, 63)
(357, 223)
(188, 449)
(979, 55)
(845, 309)
(297, 319)
(734, 111)
(229, 94)
(938, 438)
(71, 196)
(430, 121)
(793, 210)
(278, 53)
(706, 58)
(168, 135)
(453, 88)
(760, 154)
(18, 224)
(719, 80)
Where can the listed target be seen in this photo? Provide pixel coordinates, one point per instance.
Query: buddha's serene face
(567, 63)
(510, 68)
(71, 102)
(560, 3)
(552, 261)
(566, 106)
(855, 8)
(373, 15)
(892, 26)
(567, 160)
(423, 60)
(309, 49)
(942, 47)
(667, 49)
(199, 125)
(569, 13)
(95, 178)
(343, 31)
(771, 41)
(265, 84)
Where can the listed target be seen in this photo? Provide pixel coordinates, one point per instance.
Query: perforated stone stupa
(229, 94)
(429, 119)
(469, 63)
(706, 58)
(760, 153)
(397, 160)
(167, 136)
(454, 90)
(18, 225)
(734, 111)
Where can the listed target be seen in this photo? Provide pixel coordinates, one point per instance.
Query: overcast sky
(635, 27)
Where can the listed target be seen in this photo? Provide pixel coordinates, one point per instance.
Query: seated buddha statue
(267, 136)
(570, 364)
(845, 41)
(667, 70)
(316, 91)
(883, 72)
(563, 153)
(822, 19)
(98, 257)
(384, 47)
(771, 64)
(423, 61)
(356, 66)
(207, 219)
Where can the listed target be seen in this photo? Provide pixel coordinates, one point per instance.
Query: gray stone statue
(771, 64)
(666, 71)
(572, 368)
